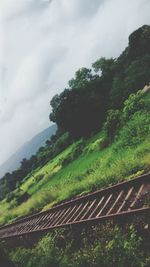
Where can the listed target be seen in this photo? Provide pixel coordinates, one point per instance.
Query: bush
(61, 143)
(38, 177)
(45, 254)
(17, 197)
(134, 103)
(74, 154)
(135, 131)
(103, 246)
(66, 160)
(10, 196)
(116, 118)
(112, 123)
(39, 201)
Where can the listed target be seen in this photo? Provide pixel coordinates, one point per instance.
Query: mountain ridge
(27, 150)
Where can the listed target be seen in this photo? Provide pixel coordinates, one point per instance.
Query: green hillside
(103, 137)
(92, 164)
(87, 165)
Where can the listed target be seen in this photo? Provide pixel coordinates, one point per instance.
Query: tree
(82, 111)
(82, 77)
(104, 65)
(129, 79)
(139, 42)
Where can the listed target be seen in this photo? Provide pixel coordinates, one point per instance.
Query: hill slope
(27, 150)
(87, 165)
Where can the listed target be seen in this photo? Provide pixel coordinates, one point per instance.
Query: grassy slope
(95, 168)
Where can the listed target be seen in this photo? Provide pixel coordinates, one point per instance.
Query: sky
(43, 43)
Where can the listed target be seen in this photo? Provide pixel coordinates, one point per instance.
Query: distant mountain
(27, 150)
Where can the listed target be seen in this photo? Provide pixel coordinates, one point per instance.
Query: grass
(90, 171)
(94, 168)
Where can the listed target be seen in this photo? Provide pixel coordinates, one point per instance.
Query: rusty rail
(123, 199)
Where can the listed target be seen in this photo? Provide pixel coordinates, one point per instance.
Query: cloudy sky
(42, 44)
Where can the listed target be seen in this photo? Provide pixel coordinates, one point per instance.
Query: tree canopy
(81, 108)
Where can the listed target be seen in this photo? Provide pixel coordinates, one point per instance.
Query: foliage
(104, 65)
(129, 78)
(61, 143)
(109, 247)
(74, 154)
(137, 128)
(132, 68)
(12, 181)
(87, 165)
(139, 42)
(81, 109)
(134, 103)
(18, 195)
(82, 77)
(92, 170)
(117, 118)
(45, 254)
(80, 112)
(112, 123)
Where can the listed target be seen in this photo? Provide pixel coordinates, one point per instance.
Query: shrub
(10, 196)
(112, 123)
(134, 103)
(135, 131)
(61, 143)
(74, 154)
(65, 161)
(116, 118)
(105, 246)
(78, 149)
(38, 177)
(45, 254)
(17, 197)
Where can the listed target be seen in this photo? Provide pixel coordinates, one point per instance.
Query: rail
(131, 197)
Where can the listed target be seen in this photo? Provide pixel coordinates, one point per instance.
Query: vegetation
(88, 164)
(108, 247)
(81, 108)
(103, 137)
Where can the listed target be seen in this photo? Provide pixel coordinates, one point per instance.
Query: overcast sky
(42, 44)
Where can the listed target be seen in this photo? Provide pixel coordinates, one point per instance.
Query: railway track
(123, 199)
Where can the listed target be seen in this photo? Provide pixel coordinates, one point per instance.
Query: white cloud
(42, 43)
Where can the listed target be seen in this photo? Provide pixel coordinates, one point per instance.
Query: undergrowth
(104, 246)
